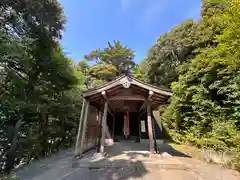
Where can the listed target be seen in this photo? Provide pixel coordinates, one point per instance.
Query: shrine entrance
(117, 127)
(122, 107)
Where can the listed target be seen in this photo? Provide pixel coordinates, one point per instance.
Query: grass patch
(8, 177)
(192, 151)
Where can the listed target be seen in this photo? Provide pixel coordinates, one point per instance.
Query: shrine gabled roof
(127, 81)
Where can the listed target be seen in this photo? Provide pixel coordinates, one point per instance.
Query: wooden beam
(135, 87)
(100, 133)
(104, 120)
(157, 117)
(96, 100)
(127, 98)
(150, 129)
(106, 99)
(115, 90)
(133, 81)
(104, 94)
(156, 99)
(105, 87)
(150, 94)
(107, 132)
(99, 114)
(111, 111)
(84, 127)
(150, 87)
(76, 151)
(96, 96)
(160, 96)
(142, 107)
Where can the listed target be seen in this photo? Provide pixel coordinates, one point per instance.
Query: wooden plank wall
(92, 129)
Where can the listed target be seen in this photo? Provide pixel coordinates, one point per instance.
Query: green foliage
(82, 66)
(115, 54)
(212, 7)
(182, 44)
(8, 177)
(39, 86)
(111, 62)
(103, 71)
(138, 73)
(205, 104)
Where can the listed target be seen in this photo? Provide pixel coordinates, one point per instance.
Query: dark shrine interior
(119, 123)
(134, 123)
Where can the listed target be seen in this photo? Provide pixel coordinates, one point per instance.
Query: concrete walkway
(124, 161)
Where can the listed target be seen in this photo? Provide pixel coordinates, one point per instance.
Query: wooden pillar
(100, 131)
(99, 117)
(84, 127)
(113, 125)
(139, 128)
(161, 127)
(104, 120)
(99, 120)
(154, 131)
(76, 151)
(150, 130)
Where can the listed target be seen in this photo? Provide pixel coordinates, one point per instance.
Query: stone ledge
(120, 164)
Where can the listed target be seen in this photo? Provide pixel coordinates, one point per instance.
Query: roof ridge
(105, 84)
(134, 80)
(164, 89)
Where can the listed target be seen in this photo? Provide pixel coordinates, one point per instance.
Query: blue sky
(136, 23)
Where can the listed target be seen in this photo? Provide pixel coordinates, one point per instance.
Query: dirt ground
(125, 161)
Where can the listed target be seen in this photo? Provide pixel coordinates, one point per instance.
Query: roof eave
(133, 80)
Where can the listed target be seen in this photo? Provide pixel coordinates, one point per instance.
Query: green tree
(110, 63)
(138, 73)
(205, 103)
(182, 44)
(40, 87)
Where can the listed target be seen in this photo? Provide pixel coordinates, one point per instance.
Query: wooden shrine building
(104, 109)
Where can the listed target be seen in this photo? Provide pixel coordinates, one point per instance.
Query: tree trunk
(43, 134)
(10, 154)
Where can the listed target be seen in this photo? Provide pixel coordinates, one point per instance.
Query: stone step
(119, 138)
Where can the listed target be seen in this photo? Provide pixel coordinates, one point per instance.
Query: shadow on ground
(43, 166)
(124, 160)
(121, 161)
(62, 166)
(172, 151)
(113, 170)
